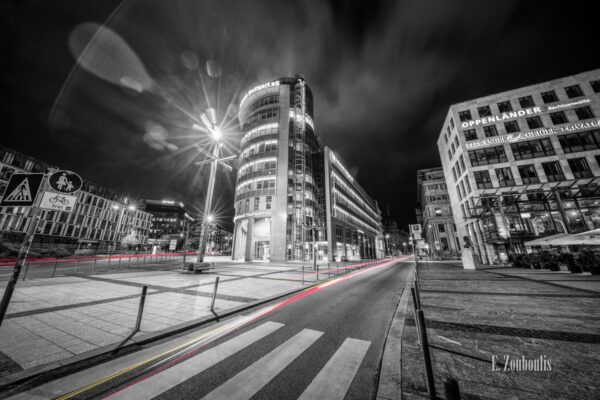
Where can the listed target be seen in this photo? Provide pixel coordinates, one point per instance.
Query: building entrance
(261, 251)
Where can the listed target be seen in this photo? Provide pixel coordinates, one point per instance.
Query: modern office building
(280, 197)
(101, 218)
(435, 214)
(170, 220)
(523, 164)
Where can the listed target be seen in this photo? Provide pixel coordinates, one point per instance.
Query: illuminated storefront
(522, 164)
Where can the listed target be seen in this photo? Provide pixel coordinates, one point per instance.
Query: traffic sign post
(65, 181)
(21, 190)
(28, 239)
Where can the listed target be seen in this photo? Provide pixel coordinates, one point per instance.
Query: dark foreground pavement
(473, 316)
(325, 343)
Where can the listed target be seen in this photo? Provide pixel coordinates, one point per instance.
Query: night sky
(383, 75)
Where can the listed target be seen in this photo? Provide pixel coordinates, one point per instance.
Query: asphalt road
(324, 343)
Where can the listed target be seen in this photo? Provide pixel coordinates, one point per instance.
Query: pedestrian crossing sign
(21, 190)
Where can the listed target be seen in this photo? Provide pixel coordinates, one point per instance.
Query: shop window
(504, 106)
(549, 97)
(573, 91)
(580, 168)
(528, 174)
(512, 126)
(558, 118)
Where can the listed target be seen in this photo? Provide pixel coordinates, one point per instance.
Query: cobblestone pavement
(53, 319)
(472, 316)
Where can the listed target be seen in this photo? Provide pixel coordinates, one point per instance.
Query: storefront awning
(589, 238)
(545, 241)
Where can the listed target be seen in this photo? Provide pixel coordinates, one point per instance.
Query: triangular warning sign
(21, 193)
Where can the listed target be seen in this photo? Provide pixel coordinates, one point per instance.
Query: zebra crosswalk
(331, 382)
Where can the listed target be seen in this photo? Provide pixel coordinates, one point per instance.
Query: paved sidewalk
(473, 315)
(53, 319)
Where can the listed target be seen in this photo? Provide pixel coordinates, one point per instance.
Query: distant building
(101, 218)
(524, 164)
(170, 220)
(283, 208)
(435, 214)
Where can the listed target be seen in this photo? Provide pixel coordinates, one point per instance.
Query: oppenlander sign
(515, 137)
(504, 116)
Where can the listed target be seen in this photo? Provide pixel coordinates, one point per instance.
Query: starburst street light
(214, 159)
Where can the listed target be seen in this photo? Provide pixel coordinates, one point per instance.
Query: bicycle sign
(58, 201)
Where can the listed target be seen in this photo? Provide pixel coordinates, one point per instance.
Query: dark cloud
(383, 74)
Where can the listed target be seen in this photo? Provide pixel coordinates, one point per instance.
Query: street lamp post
(387, 248)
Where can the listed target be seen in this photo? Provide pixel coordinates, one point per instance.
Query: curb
(390, 376)
(44, 373)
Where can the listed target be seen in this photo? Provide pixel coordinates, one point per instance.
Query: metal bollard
(214, 295)
(75, 267)
(26, 269)
(303, 275)
(108, 266)
(426, 356)
(128, 261)
(140, 309)
(119, 265)
(54, 270)
(451, 389)
(94, 265)
(415, 308)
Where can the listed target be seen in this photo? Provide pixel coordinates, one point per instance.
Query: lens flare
(105, 54)
(213, 69)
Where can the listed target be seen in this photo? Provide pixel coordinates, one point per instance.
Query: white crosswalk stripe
(335, 378)
(163, 381)
(249, 381)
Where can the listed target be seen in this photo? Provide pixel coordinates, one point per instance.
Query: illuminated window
(580, 168)
(584, 113)
(549, 97)
(526, 102)
(595, 86)
(512, 126)
(470, 134)
(553, 171)
(528, 174)
(465, 115)
(573, 91)
(504, 106)
(558, 118)
(484, 111)
(534, 122)
(490, 130)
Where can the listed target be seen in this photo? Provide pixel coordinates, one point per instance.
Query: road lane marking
(335, 378)
(248, 382)
(159, 383)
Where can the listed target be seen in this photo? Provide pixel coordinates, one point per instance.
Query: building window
(490, 131)
(558, 118)
(528, 174)
(532, 149)
(573, 91)
(461, 160)
(449, 155)
(580, 168)
(459, 193)
(512, 126)
(505, 177)
(595, 85)
(504, 106)
(446, 137)
(441, 227)
(482, 178)
(584, 113)
(451, 123)
(247, 205)
(465, 115)
(553, 171)
(534, 122)
(256, 203)
(526, 102)
(339, 231)
(580, 141)
(484, 111)
(269, 201)
(437, 211)
(8, 157)
(470, 134)
(490, 155)
(468, 184)
(454, 173)
(549, 97)
(453, 148)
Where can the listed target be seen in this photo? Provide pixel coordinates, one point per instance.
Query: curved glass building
(280, 199)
